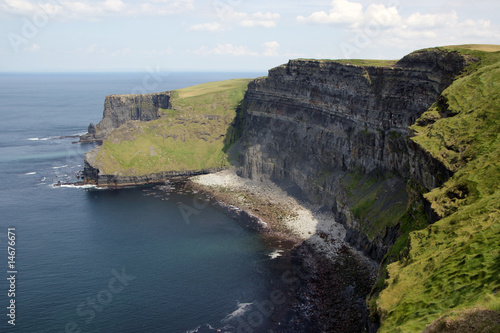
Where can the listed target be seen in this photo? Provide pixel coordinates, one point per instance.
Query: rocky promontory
(119, 109)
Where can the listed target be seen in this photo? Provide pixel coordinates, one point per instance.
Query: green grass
(474, 47)
(373, 202)
(367, 62)
(188, 137)
(358, 62)
(454, 264)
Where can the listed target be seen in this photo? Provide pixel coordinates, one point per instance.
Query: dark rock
(91, 129)
(312, 121)
(119, 109)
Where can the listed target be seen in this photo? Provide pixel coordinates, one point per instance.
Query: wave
(58, 137)
(60, 167)
(203, 329)
(275, 254)
(30, 173)
(43, 139)
(80, 186)
(240, 311)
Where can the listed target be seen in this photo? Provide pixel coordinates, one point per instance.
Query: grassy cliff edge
(190, 136)
(453, 266)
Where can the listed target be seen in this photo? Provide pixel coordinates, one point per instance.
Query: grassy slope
(454, 264)
(359, 62)
(188, 137)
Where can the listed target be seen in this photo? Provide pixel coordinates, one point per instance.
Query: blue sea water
(127, 260)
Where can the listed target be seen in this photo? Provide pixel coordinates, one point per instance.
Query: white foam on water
(85, 186)
(60, 167)
(275, 254)
(194, 330)
(30, 173)
(240, 311)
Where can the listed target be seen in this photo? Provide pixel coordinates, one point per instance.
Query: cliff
(119, 109)
(391, 150)
(151, 138)
(316, 127)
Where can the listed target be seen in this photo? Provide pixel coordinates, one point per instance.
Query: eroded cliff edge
(151, 138)
(119, 109)
(337, 135)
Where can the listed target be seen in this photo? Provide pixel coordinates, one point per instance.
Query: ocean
(127, 260)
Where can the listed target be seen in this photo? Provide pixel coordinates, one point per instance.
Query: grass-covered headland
(190, 136)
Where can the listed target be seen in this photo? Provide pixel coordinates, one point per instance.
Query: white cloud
(211, 27)
(258, 19)
(232, 17)
(95, 49)
(114, 5)
(342, 11)
(381, 26)
(382, 15)
(271, 49)
(427, 21)
(266, 20)
(18, 6)
(95, 9)
(226, 49)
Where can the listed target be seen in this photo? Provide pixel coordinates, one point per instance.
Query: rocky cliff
(317, 127)
(119, 109)
(151, 138)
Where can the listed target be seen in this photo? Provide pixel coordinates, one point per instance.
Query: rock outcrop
(92, 175)
(311, 123)
(118, 109)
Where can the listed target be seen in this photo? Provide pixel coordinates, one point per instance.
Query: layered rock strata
(312, 124)
(119, 109)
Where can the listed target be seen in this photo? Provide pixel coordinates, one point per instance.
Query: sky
(229, 35)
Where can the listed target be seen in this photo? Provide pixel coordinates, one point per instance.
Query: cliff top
(189, 136)
(465, 49)
(210, 88)
(355, 62)
(474, 47)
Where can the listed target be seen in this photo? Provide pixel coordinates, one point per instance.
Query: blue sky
(228, 35)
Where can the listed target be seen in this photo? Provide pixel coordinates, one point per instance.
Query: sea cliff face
(151, 138)
(315, 127)
(119, 109)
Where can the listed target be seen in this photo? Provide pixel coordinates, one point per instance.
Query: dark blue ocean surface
(127, 260)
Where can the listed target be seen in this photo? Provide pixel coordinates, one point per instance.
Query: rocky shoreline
(329, 281)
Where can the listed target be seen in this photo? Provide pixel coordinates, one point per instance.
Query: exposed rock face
(310, 122)
(118, 109)
(92, 175)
